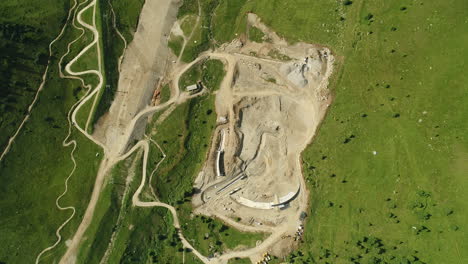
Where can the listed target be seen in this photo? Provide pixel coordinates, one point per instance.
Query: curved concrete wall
(262, 205)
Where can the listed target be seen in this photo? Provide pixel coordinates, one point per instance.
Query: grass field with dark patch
(26, 31)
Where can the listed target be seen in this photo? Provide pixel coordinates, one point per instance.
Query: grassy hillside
(209, 72)
(386, 171)
(401, 92)
(34, 172)
(26, 29)
(139, 235)
(202, 32)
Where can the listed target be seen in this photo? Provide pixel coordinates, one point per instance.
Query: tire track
(114, 25)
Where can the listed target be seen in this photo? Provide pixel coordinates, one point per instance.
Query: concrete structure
(240, 177)
(194, 87)
(264, 205)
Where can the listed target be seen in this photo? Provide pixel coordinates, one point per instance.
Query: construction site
(268, 110)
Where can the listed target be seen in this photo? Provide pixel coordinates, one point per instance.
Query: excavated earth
(267, 116)
(143, 66)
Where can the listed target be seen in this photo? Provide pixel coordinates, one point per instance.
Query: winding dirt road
(75, 108)
(98, 73)
(137, 202)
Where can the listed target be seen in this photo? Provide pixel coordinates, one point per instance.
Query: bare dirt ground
(273, 107)
(143, 66)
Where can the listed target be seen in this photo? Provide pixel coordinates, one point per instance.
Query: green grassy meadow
(35, 169)
(99, 21)
(83, 113)
(256, 35)
(210, 235)
(202, 34)
(127, 14)
(34, 173)
(175, 44)
(165, 93)
(239, 261)
(139, 235)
